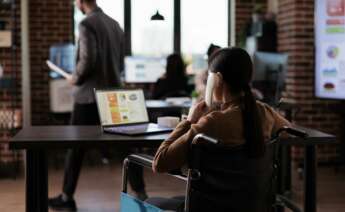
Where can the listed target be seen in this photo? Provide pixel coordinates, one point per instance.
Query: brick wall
(51, 22)
(296, 37)
(10, 99)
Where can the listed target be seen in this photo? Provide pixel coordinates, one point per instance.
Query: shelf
(7, 83)
(10, 119)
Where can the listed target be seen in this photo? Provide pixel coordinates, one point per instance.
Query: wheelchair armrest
(204, 138)
(287, 203)
(146, 161)
(143, 160)
(292, 131)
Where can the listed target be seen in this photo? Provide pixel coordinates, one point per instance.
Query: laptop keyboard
(137, 129)
(123, 129)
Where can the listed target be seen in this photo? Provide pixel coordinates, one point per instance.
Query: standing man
(98, 64)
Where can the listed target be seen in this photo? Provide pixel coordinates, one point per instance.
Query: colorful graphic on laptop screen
(121, 107)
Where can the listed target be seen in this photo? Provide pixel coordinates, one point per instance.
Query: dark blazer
(100, 55)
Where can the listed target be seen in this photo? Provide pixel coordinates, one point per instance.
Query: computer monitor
(269, 74)
(62, 55)
(199, 63)
(140, 69)
(267, 64)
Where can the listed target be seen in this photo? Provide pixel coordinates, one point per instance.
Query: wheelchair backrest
(225, 179)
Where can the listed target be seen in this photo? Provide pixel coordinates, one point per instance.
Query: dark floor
(100, 186)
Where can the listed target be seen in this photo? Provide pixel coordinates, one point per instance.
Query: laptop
(124, 112)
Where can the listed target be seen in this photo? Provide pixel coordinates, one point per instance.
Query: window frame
(176, 25)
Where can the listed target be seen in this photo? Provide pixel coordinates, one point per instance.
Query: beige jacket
(224, 125)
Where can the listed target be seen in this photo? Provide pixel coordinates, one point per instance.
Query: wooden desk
(310, 162)
(161, 105)
(50, 137)
(37, 140)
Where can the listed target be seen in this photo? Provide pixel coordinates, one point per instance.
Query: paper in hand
(58, 70)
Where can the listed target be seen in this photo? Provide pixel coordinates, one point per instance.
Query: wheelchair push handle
(293, 131)
(202, 138)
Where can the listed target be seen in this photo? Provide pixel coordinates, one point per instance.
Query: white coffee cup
(168, 121)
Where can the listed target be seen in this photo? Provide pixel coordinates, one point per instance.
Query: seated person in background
(201, 77)
(175, 82)
(235, 117)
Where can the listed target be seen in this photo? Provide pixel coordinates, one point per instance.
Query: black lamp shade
(157, 17)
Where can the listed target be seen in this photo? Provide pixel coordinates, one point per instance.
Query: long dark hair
(236, 68)
(176, 68)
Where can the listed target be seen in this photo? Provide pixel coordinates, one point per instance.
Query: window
(113, 8)
(152, 38)
(78, 17)
(202, 23)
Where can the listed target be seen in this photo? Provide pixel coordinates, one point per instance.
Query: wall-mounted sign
(5, 39)
(330, 49)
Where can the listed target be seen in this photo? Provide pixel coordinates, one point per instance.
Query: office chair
(222, 178)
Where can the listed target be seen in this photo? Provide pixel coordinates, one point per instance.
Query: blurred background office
(174, 83)
(163, 37)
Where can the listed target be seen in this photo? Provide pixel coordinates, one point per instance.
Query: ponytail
(236, 67)
(252, 127)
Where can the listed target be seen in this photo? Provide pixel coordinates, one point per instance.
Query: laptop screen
(119, 107)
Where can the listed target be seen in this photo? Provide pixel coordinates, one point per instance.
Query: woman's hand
(197, 111)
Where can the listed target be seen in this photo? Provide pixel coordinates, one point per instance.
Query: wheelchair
(220, 178)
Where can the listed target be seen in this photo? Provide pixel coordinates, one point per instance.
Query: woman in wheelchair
(235, 118)
(231, 115)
